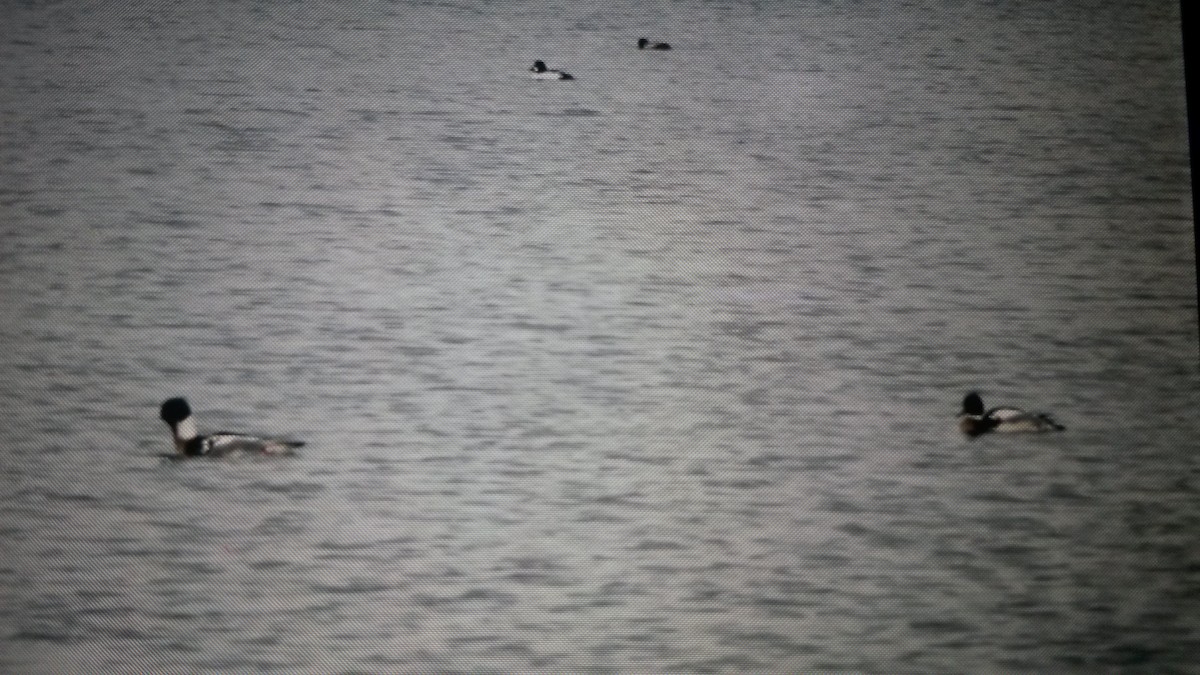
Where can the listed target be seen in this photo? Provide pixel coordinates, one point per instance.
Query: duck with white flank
(646, 44)
(973, 421)
(541, 72)
(189, 443)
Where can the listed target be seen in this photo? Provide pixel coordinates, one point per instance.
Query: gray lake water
(652, 371)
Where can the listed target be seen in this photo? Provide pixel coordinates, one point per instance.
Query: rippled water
(653, 371)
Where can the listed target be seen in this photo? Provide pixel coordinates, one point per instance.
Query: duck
(189, 443)
(973, 421)
(646, 44)
(541, 72)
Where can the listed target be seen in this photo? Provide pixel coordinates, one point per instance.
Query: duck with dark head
(541, 72)
(191, 443)
(646, 44)
(974, 421)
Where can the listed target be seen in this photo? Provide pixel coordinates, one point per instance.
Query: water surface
(653, 371)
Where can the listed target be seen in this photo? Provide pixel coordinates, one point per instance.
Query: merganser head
(174, 410)
(972, 404)
(972, 421)
(178, 415)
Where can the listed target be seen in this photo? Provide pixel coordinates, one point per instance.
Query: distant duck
(189, 443)
(646, 44)
(541, 72)
(973, 421)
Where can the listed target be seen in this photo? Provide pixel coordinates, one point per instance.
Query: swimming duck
(189, 443)
(973, 421)
(541, 72)
(646, 44)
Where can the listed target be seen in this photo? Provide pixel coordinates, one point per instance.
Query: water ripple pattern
(655, 370)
